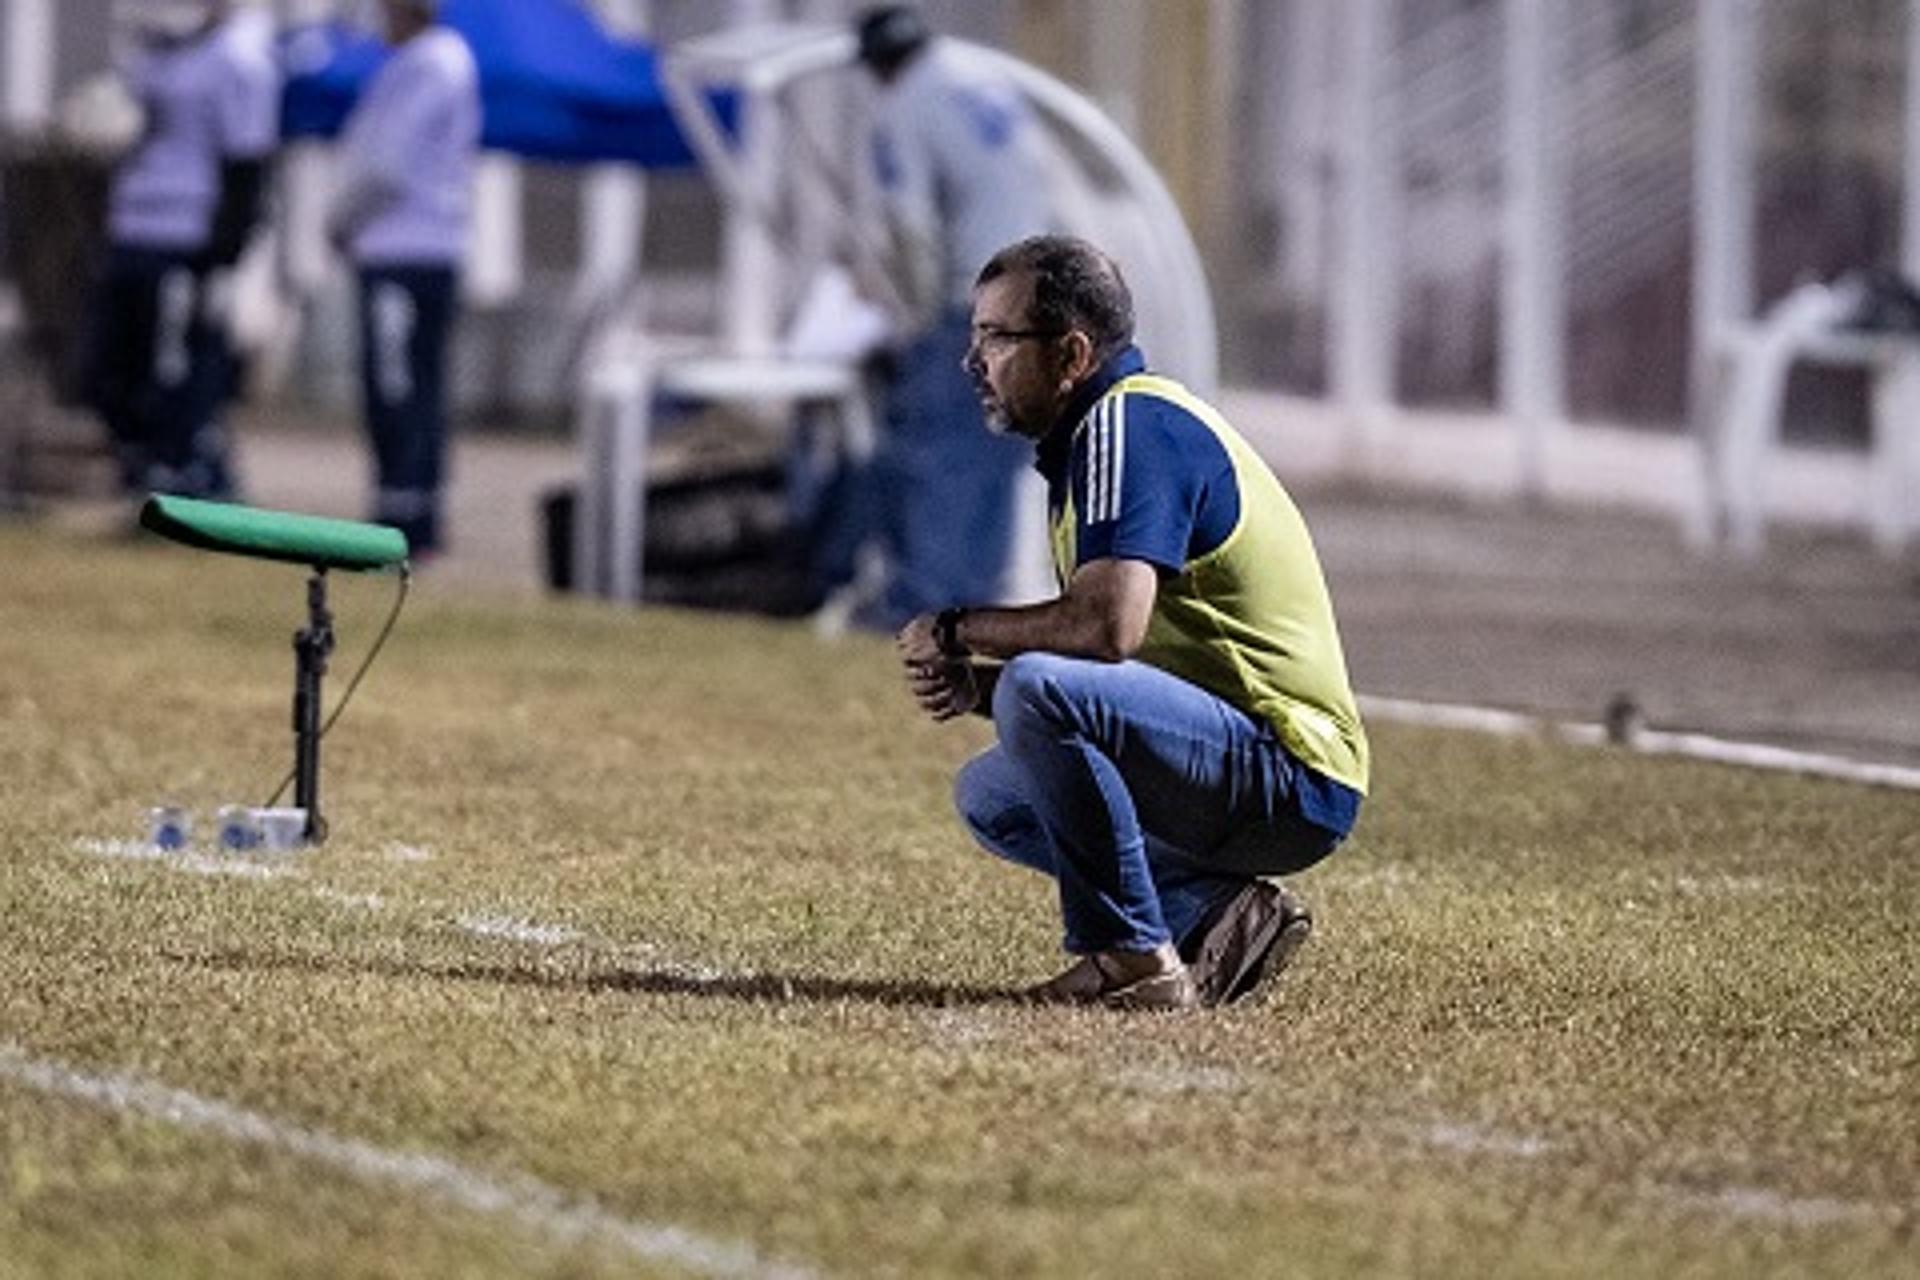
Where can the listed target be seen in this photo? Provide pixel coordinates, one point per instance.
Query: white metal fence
(1561, 213)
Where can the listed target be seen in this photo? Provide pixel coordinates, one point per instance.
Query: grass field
(646, 944)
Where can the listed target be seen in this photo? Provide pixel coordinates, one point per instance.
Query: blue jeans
(1147, 798)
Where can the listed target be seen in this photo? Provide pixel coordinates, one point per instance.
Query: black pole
(311, 649)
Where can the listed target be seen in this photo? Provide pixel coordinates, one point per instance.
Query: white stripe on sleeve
(1106, 455)
(1096, 457)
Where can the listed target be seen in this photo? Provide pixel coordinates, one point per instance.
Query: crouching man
(1177, 723)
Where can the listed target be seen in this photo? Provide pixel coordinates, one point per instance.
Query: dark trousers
(157, 373)
(406, 326)
(946, 481)
(937, 495)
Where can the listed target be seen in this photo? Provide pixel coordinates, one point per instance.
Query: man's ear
(1076, 357)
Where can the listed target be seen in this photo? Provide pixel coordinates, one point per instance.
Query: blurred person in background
(402, 215)
(183, 205)
(961, 172)
(1178, 722)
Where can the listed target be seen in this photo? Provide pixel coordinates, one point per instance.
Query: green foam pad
(275, 535)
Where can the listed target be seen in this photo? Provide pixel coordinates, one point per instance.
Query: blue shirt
(1145, 484)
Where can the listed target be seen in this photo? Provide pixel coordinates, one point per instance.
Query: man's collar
(1052, 451)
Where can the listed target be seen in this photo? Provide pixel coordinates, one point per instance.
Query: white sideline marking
(955, 1030)
(532, 1203)
(1723, 886)
(481, 924)
(1652, 742)
(1471, 1138)
(1178, 1080)
(687, 971)
(1389, 878)
(1748, 1203)
(1444, 715)
(1770, 1206)
(533, 933)
(198, 864)
(514, 929)
(364, 901)
(665, 963)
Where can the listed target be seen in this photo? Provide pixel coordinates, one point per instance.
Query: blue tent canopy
(554, 85)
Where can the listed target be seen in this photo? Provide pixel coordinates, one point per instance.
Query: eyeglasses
(989, 335)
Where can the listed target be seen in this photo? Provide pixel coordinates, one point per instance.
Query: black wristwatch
(946, 633)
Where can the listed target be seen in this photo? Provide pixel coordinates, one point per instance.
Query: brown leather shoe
(1120, 980)
(1254, 935)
